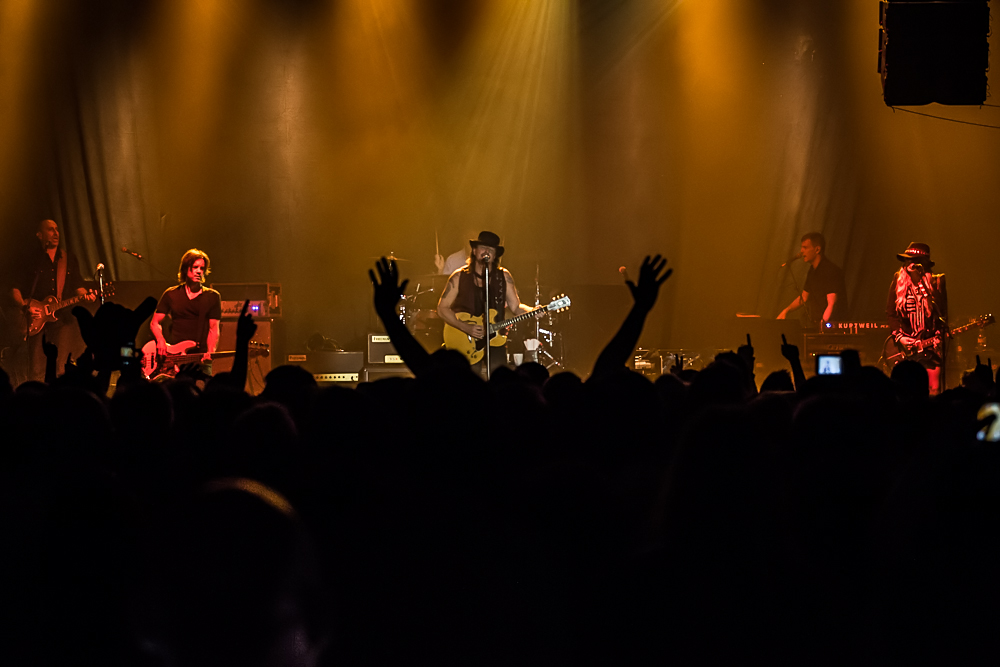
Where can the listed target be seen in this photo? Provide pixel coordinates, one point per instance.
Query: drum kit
(537, 340)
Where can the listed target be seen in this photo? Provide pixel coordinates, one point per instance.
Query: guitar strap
(202, 323)
(60, 274)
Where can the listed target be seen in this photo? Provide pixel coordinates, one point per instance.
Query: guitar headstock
(559, 304)
(109, 289)
(985, 320)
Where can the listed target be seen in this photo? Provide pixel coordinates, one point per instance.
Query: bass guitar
(894, 352)
(474, 348)
(157, 367)
(40, 313)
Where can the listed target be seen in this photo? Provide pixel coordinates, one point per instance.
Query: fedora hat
(917, 252)
(490, 239)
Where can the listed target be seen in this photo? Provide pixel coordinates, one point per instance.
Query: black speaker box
(381, 351)
(933, 52)
(330, 366)
(372, 373)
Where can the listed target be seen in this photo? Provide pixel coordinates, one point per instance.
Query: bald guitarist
(53, 273)
(463, 295)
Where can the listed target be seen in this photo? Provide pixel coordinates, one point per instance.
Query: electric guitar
(895, 352)
(40, 313)
(474, 348)
(156, 367)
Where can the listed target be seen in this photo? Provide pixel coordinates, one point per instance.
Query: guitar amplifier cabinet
(265, 298)
(375, 372)
(381, 351)
(328, 366)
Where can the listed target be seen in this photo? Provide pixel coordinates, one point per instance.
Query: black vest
(469, 298)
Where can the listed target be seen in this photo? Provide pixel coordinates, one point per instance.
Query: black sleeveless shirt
(469, 298)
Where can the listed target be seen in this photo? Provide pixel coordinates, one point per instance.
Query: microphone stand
(787, 268)
(945, 331)
(538, 295)
(486, 315)
(100, 281)
(143, 260)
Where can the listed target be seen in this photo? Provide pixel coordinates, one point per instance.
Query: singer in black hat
(917, 311)
(464, 292)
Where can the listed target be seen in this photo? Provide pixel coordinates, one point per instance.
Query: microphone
(622, 270)
(487, 258)
(100, 267)
(129, 252)
(798, 256)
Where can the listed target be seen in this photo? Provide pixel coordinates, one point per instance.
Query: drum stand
(532, 353)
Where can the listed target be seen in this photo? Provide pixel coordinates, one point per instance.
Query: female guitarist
(917, 311)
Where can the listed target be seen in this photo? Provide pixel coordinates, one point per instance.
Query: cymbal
(392, 257)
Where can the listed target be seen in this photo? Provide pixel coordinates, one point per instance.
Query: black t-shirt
(189, 317)
(826, 278)
(38, 281)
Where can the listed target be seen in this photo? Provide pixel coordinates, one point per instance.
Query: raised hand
(51, 355)
(746, 353)
(388, 290)
(110, 329)
(245, 326)
(788, 351)
(650, 279)
(984, 372)
(52, 352)
(678, 366)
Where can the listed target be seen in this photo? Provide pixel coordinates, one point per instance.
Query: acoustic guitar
(156, 367)
(474, 348)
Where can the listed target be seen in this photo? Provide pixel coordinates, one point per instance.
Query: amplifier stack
(265, 306)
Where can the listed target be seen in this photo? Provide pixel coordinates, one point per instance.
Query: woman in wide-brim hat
(917, 310)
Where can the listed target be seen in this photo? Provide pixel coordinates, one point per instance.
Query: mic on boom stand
(99, 274)
(792, 260)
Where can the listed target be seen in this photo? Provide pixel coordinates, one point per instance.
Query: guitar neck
(69, 302)
(514, 320)
(181, 358)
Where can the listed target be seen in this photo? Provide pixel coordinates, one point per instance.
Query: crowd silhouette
(443, 519)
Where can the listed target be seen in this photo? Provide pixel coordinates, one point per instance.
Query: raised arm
(791, 353)
(388, 291)
(616, 353)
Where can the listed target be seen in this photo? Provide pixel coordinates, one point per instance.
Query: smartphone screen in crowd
(828, 364)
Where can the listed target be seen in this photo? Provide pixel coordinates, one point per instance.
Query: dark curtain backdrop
(297, 141)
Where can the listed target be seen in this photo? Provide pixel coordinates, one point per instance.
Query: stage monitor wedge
(933, 51)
